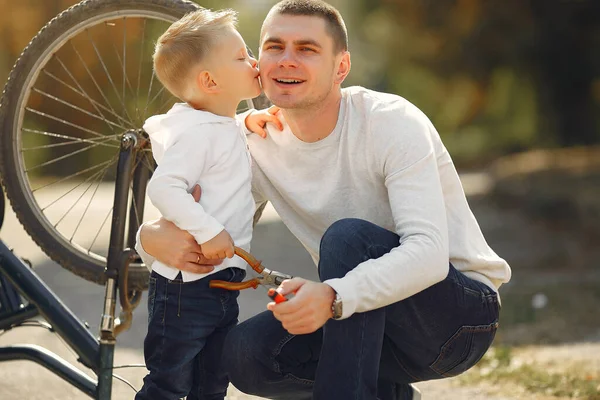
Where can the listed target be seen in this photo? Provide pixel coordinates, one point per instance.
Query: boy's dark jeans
(439, 332)
(187, 325)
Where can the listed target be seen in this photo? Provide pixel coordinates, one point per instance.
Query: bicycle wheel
(84, 80)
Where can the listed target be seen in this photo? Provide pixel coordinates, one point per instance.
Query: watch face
(336, 307)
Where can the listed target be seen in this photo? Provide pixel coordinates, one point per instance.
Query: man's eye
(306, 49)
(274, 47)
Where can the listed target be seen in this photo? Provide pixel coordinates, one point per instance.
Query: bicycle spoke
(137, 91)
(124, 57)
(96, 83)
(156, 96)
(122, 62)
(90, 202)
(148, 163)
(63, 157)
(43, 114)
(71, 176)
(97, 179)
(75, 107)
(165, 104)
(108, 75)
(92, 101)
(72, 140)
(149, 91)
(140, 160)
(95, 175)
(64, 67)
(100, 230)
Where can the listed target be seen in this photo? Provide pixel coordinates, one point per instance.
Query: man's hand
(257, 120)
(219, 247)
(308, 310)
(170, 245)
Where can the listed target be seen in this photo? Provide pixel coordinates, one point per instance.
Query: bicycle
(105, 92)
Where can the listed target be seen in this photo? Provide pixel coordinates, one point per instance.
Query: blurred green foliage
(495, 76)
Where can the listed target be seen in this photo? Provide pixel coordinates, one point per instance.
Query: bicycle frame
(96, 354)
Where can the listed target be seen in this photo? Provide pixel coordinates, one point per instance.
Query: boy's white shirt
(384, 163)
(197, 147)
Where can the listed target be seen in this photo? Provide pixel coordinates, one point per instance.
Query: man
(408, 287)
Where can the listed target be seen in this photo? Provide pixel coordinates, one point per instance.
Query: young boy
(202, 60)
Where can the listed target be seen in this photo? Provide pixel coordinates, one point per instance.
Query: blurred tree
(567, 39)
(553, 42)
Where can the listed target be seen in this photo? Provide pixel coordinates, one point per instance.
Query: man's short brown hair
(333, 19)
(186, 43)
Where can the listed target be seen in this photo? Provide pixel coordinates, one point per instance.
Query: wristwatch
(337, 307)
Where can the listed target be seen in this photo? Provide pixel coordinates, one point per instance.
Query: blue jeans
(440, 332)
(187, 326)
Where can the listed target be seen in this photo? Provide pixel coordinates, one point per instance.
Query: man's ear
(206, 82)
(343, 68)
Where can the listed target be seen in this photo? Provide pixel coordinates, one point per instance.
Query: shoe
(416, 393)
(410, 392)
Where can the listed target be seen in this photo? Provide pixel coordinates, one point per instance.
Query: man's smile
(287, 82)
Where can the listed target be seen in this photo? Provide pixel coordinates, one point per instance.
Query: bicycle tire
(24, 75)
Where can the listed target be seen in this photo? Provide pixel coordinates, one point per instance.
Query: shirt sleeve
(409, 168)
(180, 169)
(146, 258)
(241, 118)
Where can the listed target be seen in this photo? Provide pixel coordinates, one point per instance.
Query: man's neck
(313, 124)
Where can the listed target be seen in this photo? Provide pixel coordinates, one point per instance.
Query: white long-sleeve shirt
(385, 163)
(197, 147)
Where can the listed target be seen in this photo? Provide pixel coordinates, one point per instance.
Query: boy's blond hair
(187, 43)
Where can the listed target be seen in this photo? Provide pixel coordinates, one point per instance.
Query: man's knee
(342, 248)
(351, 241)
(344, 233)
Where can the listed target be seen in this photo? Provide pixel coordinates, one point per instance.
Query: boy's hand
(257, 120)
(220, 246)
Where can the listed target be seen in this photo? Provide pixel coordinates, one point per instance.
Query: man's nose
(287, 59)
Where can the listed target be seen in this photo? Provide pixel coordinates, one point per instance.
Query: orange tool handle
(276, 296)
(250, 259)
(252, 283)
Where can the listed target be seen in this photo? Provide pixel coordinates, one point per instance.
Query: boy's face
(234, 70)
(298, 65)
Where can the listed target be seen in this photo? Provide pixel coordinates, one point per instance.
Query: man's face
(297, 62)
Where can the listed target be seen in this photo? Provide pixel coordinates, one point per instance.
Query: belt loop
(179, 301)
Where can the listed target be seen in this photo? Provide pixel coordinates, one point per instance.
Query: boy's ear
(206, 82)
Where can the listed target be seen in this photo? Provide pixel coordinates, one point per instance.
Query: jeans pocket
(237, 275)
(464, 349)
(151, 297)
